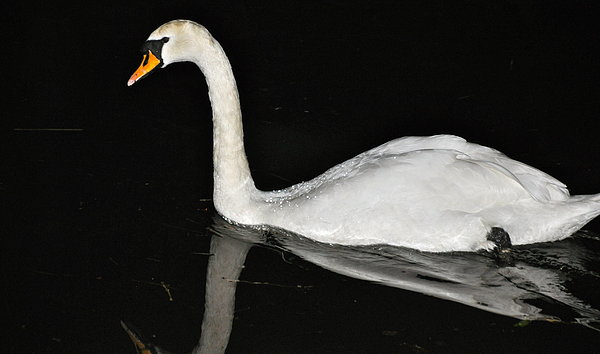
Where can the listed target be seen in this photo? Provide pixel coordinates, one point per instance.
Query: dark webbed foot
(503, 246)
(500, 237)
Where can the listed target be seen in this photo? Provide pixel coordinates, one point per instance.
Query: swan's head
(170, 43)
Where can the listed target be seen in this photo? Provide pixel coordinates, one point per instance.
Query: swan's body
(436, 193)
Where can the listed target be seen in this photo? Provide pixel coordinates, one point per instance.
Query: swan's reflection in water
(224, 268)
(539, 284)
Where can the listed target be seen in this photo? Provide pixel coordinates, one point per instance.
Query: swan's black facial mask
(152, 52)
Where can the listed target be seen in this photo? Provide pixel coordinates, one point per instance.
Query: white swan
(437, 193)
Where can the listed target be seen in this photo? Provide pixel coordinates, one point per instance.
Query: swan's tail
(582, 209)
(551, 221)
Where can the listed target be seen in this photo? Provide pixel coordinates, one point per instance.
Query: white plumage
(437, 193)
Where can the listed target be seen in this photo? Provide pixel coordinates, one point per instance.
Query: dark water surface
(112, 218)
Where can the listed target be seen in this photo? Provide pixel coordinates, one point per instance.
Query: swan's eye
(155, 47)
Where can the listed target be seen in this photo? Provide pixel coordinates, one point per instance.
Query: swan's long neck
(233, 184)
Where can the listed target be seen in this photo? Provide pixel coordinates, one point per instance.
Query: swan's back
(538, 184)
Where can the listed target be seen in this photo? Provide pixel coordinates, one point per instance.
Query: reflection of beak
(149, 62)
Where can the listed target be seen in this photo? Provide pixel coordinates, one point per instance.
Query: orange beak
(149, 62)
